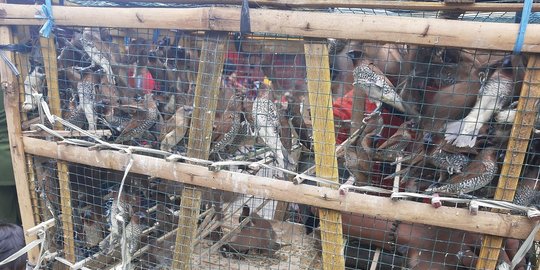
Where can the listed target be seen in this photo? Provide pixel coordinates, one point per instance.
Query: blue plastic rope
(155, 36)
(46, 13)
(526, 13)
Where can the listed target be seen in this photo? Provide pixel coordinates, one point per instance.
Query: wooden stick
(512, 226)
(200, 137)
(375, 260)
(9, 88)
(48, 50)
(407, 5)
(320, 100)
(526, 114)
(421, 31)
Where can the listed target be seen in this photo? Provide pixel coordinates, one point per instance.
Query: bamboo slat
(515, 155)
(48, 50)
(200, 134)
(10, 90)
(421, 31)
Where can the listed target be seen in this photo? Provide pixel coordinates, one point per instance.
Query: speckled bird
(92, 229)
(133, 233)
(477, 174)
(528, 190)
(145, 115)
(74, 114)
(378, 88)
(242, 137)
(89, 40)
(494, 94)
(122, 208)
(264, 114)
(229, 136)
(442, 159)
(231, 121)
(87, 93)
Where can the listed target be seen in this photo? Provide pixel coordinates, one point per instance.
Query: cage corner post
(200, 134)
(320, 102)
(515, 155)
(48, 50)
(10, 90)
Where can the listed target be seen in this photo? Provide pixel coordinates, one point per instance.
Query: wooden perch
(512, 226)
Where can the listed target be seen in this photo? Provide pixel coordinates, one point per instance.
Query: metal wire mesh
(406, 118)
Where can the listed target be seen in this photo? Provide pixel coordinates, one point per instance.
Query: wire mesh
(406, 118)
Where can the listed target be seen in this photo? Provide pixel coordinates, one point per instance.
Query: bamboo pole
(200, 137)
(515, 155)
(405, 5)
(320, 100)
(421, 31)
(48, 50)
(23, 64)
(512, 226)
(9, 88)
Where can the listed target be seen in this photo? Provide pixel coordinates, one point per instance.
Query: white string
(525, 247)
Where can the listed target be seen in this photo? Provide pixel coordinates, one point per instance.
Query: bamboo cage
(163, 138)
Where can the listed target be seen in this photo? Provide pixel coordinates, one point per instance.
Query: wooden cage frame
(217, 21)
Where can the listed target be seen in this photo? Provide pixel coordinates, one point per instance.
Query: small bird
(508, 115)
(397, 143)
(33, 89)
(175, 128)
(91, 42)
(378, 88)
(92, 229)
(74, 114)
(120, 208)
(442, 159)
(228, 119)
(242, 138)
(133, 233)
(264, 114)
(144, 117)
(86, 89)
(494, 94)
(528, 190)
(358, 155)
(477, 174)
(258, 234)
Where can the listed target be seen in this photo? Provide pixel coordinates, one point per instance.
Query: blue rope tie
(526, 13)
(155, 36)
(46, 13)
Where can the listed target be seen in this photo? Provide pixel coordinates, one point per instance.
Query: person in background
(9, 207)
(11, 241)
